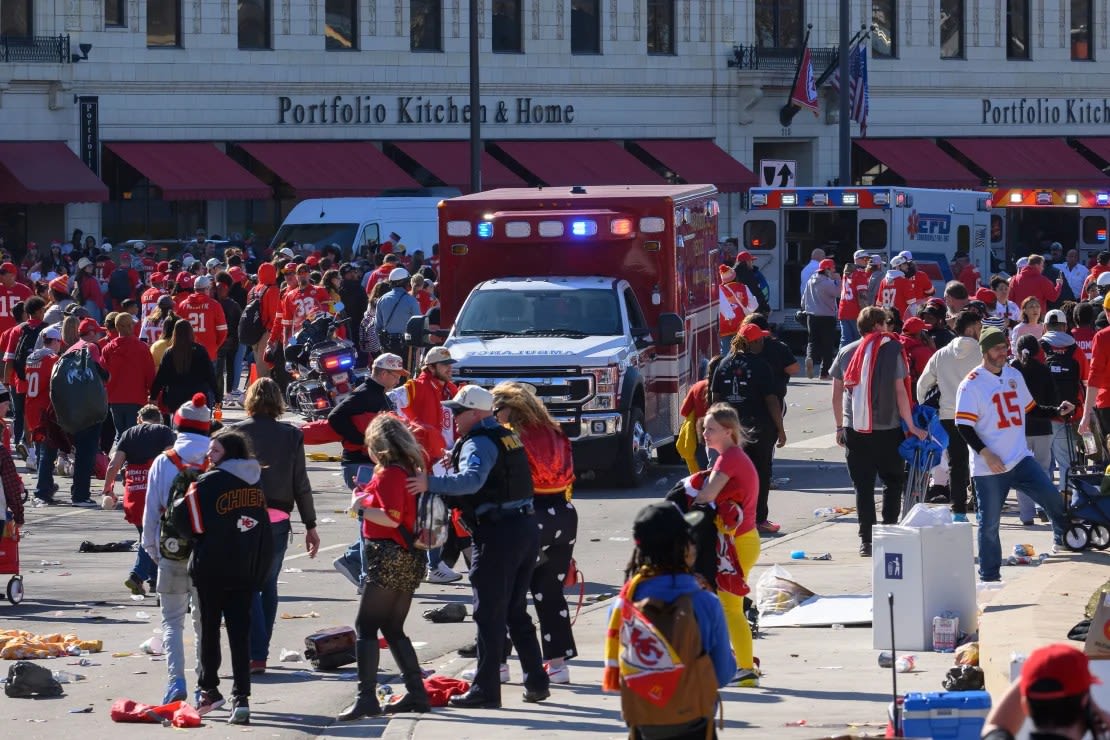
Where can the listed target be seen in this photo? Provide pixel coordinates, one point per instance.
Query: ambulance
(1027, 220)
(601, 299)
(782, 226)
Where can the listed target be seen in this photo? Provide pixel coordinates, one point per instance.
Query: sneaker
(32, 460)
(959, 517)
(558, 675)
(176, 691)
(470, 673)
(258, 667)
(208, 701)
(240, 712)
(39, 503)
(745, 678)
(135, 585)
(86, 503)
(768, 527)
(21, 450)
(442, 573)
(348, 570)
(809, 368)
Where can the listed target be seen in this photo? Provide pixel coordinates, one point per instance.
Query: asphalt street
(71, 592)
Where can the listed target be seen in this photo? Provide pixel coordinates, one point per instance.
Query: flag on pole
(857, 90)
(804, 94)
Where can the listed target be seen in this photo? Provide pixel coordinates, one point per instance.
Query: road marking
(814, 443)
(322, 549)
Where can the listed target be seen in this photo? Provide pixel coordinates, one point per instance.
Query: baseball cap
(898, 261)
(960, 256)
(212, 262)
(303, 267)
(1022, 262)
(389, 361)
(913, 325)
(1055, 316)
(52, 332)
(8, 268)
(991, 337)
(1056, 671)
(471, 397)
(986, 295)
(660, 524)
(876, 259)
(438, 354)
(751, 332)
(1103, 279)
(1055, 245)
(163, 266)
(90, 325)
(861, 254)
(202, 283)
(312, 260)
(185, 281)
(289, 267)
(346, 267)
(188, 259)
(724, 270)
(826, 264)
(906, 255)
(398, 273)
(745, 256)
(286, 252)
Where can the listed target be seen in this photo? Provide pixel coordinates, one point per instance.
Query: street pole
(845, 88)
(475, 104)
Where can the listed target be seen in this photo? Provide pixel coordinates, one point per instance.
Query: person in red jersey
(36, 411)
(896, 290)
(11, 293)
(148, 302)
(206, 316)
(301, 303)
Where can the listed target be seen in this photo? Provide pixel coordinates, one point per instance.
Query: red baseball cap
(986, 295)
(312, 260)
(1056, 671)
(185, 280)
(163, 266)
(90, 325)
(826, 264)
(745, 257)
(751, 332)
(9, 268)
(157, 278)
(913, 325)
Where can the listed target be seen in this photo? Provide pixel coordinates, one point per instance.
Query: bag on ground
(27, 679)
(777, 593)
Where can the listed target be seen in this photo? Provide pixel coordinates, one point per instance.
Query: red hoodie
(1029, 282)
(131, 370)
(269, 292)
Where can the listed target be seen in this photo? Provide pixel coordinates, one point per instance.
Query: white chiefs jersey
(995, 406)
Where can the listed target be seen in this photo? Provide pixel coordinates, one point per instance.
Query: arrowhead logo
(246, 524)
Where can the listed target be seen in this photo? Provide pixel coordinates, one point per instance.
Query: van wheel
(630, 470)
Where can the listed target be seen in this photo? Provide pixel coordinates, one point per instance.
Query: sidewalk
(828, 678)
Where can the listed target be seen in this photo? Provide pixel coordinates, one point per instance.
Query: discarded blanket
(177, 713)
(121, 546)
(441, 688)
(19, 644)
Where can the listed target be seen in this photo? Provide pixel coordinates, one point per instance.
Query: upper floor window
(425, 22)
(254, 24)
(341, 24)
(1017, 29)
(1082, 21)
(115, 13)
(163, 23)
(660, 26)
(15, 18)
(884, 19)
(585, 26)
(951, 29)
(507, 26)
(779, 24)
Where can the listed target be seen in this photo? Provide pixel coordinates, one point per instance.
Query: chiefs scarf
(860, 374)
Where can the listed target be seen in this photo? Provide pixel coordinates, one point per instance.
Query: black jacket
(279, 447)
(177, 388)
(355, 302)
(368, 398)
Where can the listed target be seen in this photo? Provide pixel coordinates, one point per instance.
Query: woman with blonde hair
(391, 568)
(69, 331)
(734, 479)
(1031, 310)
(549, 457)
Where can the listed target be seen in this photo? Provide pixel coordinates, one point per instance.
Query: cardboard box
(1098, 638)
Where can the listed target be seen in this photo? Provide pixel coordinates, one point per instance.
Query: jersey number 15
(1009, 413)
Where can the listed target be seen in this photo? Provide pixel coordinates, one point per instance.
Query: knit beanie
(194, 416)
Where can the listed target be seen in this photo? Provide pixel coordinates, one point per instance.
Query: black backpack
(28, 335)
(119, 284)
(175, 537)
(251, 327)
(1064, 367)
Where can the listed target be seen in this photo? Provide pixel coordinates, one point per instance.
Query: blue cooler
(959, 715)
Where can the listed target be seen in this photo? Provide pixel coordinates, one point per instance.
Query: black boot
(416, 696)
(366, 703)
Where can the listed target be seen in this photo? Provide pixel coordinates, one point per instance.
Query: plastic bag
(777, 592)
(963, 678)
(177, 713)
(27, 679)
(923, 515)
(77, 392)
(968, 654)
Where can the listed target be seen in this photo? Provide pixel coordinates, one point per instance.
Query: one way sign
(778, 173)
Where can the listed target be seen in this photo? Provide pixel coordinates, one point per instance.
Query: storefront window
(163, 23)
(425, 21)
(507, 35)
(115, 13)
(340, 25)
(660, 26)
(254, 24)
(951, 29)
(1017, 29)
(585, 27)
(884, 36)
(1082, 20)
(779, 23)
(15, 17)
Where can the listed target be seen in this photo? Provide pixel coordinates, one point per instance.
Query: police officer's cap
(471, 397)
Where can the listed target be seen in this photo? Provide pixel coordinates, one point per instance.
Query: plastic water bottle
(798, 555)
(67, 677)
(823, 512)
(905, 663)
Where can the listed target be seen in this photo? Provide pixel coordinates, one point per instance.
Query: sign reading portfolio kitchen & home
(360, 110)
(1046, 111)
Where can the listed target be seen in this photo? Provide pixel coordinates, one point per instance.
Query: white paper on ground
(820, 611)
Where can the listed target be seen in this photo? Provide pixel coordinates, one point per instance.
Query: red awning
(920, 162)
(450, 162)
(1100, 145)
(557, 163)
(701, 161)
(191, 170)
(46, 172)
(1031, 162)
(330, 169)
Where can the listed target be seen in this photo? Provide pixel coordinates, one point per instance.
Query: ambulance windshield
(555, 313)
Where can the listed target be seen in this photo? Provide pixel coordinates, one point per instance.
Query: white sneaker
(558, 675)
(442, 573)
(470, 673)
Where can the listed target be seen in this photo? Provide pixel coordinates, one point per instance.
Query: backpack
(251, 327)
(119, 284)
(1064, 367)
(429, 531)
(175, 539)
(77, 391)
(666, 678)
(28, 335)
(723, 382)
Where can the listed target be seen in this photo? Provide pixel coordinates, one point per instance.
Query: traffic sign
(778, 173)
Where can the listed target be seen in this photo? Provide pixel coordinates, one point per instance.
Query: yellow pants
(739, 631)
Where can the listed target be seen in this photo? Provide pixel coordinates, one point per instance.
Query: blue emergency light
(1102, 199)
(578, 228)
(485, 229)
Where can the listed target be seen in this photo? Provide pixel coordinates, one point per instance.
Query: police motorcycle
(321, 367)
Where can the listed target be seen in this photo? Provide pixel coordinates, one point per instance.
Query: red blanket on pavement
(178, 713)
(441, 688)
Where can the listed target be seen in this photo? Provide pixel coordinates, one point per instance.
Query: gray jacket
(821, 295)
(279, 447)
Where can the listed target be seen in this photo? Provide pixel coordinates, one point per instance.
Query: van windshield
(564, 313)
(319, 235)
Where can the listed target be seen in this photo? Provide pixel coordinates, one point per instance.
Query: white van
(357, 225)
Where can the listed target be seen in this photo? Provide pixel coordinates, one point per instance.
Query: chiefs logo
(246, 524)
(1013, 384)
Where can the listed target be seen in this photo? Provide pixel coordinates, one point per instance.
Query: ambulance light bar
(655, 224)
(1071, 198)
(759, 200)
(458, 228)
(1016, 196)
(790, 199)
(518, 229)
(550, 228)
(1044, 198)
(850, 199)
(1100, 235)
(881, 199)
(820, 199)
(1103, 199)
(583, 228)
(485, 229)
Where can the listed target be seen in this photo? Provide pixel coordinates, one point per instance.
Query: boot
(366, 703)
(416, 696)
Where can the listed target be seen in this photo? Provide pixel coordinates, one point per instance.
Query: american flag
(857, 91)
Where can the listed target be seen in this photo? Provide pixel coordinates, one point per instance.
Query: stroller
(1087, 506)
(9, 560)
(922, 455)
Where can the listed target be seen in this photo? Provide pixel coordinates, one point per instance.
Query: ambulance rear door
(762, 233)
(1092, 232)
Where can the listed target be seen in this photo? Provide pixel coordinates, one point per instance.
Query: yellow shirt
(158, 349)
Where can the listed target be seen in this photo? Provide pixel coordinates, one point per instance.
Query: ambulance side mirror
(416, 331)
(672, 330)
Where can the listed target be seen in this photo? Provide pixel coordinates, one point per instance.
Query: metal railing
(21, 49)
(779, 60)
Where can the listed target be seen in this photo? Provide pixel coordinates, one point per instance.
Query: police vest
(510, 478)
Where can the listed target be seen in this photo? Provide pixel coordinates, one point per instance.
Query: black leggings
(382, 609)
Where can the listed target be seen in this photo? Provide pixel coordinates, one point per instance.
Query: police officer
(492, 485)
(393, 312)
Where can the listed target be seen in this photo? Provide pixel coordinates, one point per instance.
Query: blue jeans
(849, 332)
(1061, 450)
(85, 445)
(144, 568)
(264, 606)
(124, 416)
(47, 457)
(235, 368)
(991, 491)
